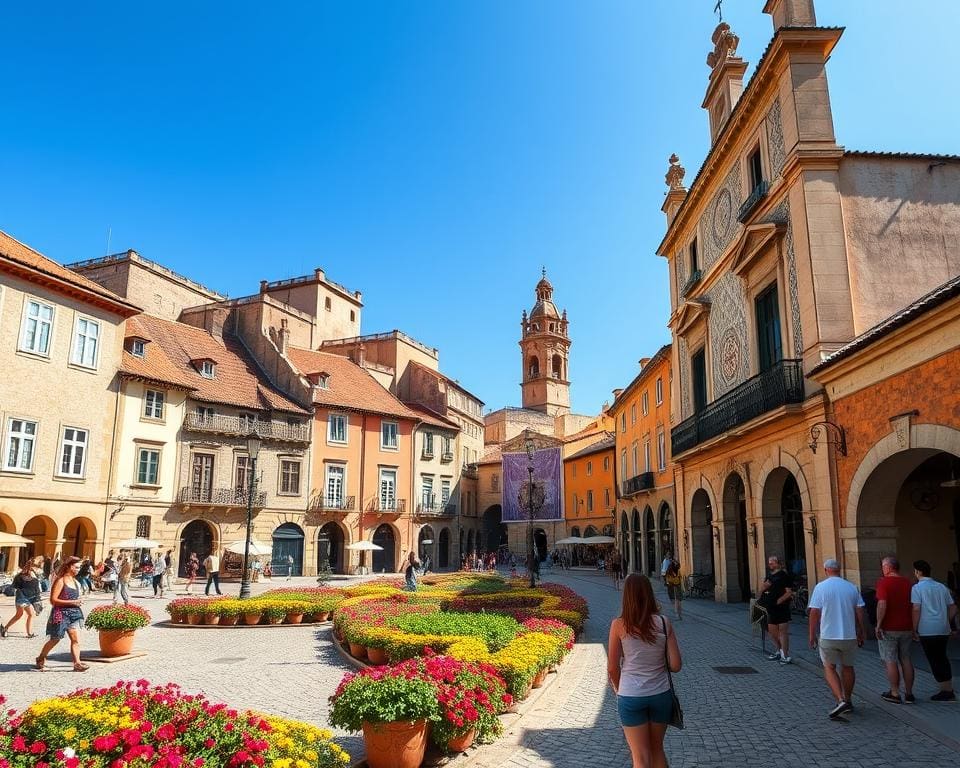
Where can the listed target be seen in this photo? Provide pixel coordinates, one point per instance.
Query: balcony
(781, 385)
(427, 453)
(759, 192)
(691, 281)
(446, 457)
(220, 497)
(322, 503)
(470, 470)
(236, 426)
(387, 506)
(637, 483)
(434, 508)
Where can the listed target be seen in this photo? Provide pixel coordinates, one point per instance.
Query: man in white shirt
(836, 614)
(933, 615)
(212, 565)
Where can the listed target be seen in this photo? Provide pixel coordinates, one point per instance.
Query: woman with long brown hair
(66, 618)
(641, 644)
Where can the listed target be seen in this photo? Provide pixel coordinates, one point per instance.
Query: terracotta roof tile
(429, 416)
(492, 455)
(605, 444)
(446, 378)
(348, 386)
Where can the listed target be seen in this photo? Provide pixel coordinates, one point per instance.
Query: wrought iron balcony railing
(781, 385)
(221, 497)
(387, 506)
(434, 508)
(637, 483)
(759, 192)
(324, 503)
(223, 424)
(691, 281)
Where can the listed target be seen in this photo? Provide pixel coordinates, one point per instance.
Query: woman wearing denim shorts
(641, 643)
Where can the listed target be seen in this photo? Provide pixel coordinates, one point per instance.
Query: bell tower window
(533, 368)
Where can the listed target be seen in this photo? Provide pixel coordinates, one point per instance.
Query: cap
(831, 565)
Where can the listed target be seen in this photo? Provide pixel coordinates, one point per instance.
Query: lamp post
(528, 444)
(253, 449)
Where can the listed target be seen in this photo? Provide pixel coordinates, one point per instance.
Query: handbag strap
(666, 655)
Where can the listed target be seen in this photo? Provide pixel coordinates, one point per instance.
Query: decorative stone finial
(725, 45)
(675, 173)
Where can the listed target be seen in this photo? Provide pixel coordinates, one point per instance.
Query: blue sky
(431, 153)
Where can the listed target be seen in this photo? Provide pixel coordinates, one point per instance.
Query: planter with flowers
(116, 625)
(229, 612)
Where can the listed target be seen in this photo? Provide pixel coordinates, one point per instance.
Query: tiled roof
(492, 455)
(429, 416)
(26, 257)
(348, 386)
(446, 378)
(606, 444)
(901, 155)
(237, 381)
(936, 297)
(664, 351)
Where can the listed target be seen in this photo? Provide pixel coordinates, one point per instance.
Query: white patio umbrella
(599, 540)
(137, 543)
(13, 540)
(363, 546)
(571, 540)
(256, 548)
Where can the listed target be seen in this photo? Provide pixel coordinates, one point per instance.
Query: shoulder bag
(676, 713)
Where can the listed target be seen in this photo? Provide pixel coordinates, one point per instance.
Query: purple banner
(547, 474)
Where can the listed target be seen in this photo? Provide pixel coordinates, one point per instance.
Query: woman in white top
(641, 644)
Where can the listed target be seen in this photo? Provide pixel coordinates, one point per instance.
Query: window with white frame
(153, 404)
(138, 348)
(606, 497)
(37, 328)
(447, 445)
(242, 474)
(208, 369)
(289, 477)
(73, 452)
(606, 463)
(388, 489)
(623, 463)
(645, 402)
(86, 337)
(646, 456)
(445, 491)
(623, 422)
(659, 390)
(636, 460)
(333, 486)
(661, 451)
(148, 466)
(336, 428)
(205, 412)
(426, 492)
(633, 413)
(388, 435)
(21, 445)
(428, 443)
(589, 468)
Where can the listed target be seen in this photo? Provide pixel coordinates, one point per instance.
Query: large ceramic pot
(358, 651)
(376, 656)
(211, 618)
(229, 621)
(293, 618)
(462, 743)
(116, 642)
(178, 618)
(539, 678)
(251, 618)
(193, 618)
(395, 745)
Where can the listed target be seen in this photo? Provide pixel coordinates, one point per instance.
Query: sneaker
(786, 659)
(909, 699)
(847, 706)
(3, 630)
(837, 710)
(773, 656)
(944, 696)
(887, 696)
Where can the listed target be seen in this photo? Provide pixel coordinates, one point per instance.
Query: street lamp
(529, 446)
(253, 449)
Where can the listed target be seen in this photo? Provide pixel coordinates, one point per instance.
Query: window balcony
(222, 424)
(427, 453)
(434, 508)
(446, 457)
(781, 385)
(387, 506)
(323, 503)
(691, 281)
(220, 497)
(642, 482)
(759, 192)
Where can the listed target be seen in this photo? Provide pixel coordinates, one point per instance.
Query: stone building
(780, 253)
(61, 337)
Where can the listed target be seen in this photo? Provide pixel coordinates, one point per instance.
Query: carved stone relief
(728, 334)
(685, 408)
(778, 154)
(720, 220)
(782, 214)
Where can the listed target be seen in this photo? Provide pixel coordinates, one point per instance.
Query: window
(334, 485)
(661, 451)
(323, 380)
(606, 463)
(201, 478)
(242, 475)
(143, 527)
(388, 489)
(86, 335)
(73, 452)
(573, 470)
(589, 501)
(633, 413)
(21, 441)
(327, 304)
(494, 482)
(248, 422)
(138, 348)
(290, 477)
(698, 371)
(205, 412)
(388, 435)
(756, 169)
(336, 428)
(426, 492)
(646, 456)
(428, 443)
(694, 257)
(447, 447)
(208, 369)
(353, 315)
(769, 346)
(37, 328)
(636, 459)
(589, 468)
(606, 497)
(153, 404)
(623, 422)
(623, 463)
(444, 492)
(645, 403)
(659, 390)
(148, 466)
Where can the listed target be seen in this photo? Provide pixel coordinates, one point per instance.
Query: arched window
(143, 527)
(533, 367)
(557, 367)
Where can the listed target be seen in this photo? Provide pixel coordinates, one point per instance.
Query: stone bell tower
(545, 351)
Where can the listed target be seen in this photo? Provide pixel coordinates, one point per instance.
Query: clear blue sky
(431, 153)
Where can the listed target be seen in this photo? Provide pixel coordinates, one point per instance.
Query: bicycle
(800, 601)
(700, 585)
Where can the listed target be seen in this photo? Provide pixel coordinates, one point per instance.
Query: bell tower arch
(545, 353)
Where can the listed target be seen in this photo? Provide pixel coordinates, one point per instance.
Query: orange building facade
(588, 483)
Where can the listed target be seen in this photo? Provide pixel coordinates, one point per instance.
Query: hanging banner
(547, 474)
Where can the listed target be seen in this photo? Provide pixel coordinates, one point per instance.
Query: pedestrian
(83, 576)
(123, 578)
(289, 566)
(775, 598)
(168, 576)
(26, 598)
(108, 576)
(66, 616)
(641, 652)
(57, 562)
(410, 573)
(664, 564)
(895, 630)
(671, 577)
(159, 571)
(617, 568)
(836, 614)
(193, 568)
(212, 565)
(934, 613)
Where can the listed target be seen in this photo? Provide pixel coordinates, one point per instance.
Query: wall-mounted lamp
(716, 534)
(753, 534)
(813, 528)
(839, 438)
(686, 539)
(117, 511)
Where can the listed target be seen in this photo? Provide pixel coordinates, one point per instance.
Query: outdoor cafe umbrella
(13, 540)
(599, 540)
(137, 543)
(363, 546)
(256, 548)
(571, 540)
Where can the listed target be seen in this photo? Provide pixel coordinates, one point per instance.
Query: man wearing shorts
(895, 630)
(776, 597)
(836, 613)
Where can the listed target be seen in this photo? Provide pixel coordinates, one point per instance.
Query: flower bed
(137, 724)
(275, 606)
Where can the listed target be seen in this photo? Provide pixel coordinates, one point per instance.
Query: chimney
(617, 393)
(283, 337)
(726, 78)
(791, 13)
(361, 355)
(676, 192)
(263, 286)
(643, 362)
(214, 319)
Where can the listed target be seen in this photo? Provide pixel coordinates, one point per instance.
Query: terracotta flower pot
(116, 642)
(377, 656)
(275, 619)
(293, 618)
(395, 745)
(358, 651)
(462, 743)
(321, 616)
(251, 618)
(539, 678)
(193, 618)
(338, 635)
(210, 618)
(178, 618)
(228, 621)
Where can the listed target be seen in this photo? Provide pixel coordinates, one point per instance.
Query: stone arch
(43, 531)
(665, 532)
(556, 367)
(788, 462)
(331, 540)
(701, 533)
(425, 550)
(636, 535)
(734, 550)
(79, 537)
(443, 548)
(200, 536)
(782, 509)
(625, 538)
(533, 367)
(650, 559)
(386, 536)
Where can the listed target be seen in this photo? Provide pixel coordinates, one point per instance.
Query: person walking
(26, 598)
(193, 568)
(671, 577)
(66, 616)
(664, 564)
(410, 573)
(836, 614)
(934, 613)
(895, 630)
(289, 566)
(83, 576)
(641, 651)
(775, 599)
(123, 578)
(617, 568)
(168, 576)
(212, 565)
(159, 571)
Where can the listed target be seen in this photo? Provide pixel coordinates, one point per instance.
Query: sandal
(32, 634)
(40, 662)
(81, 667)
